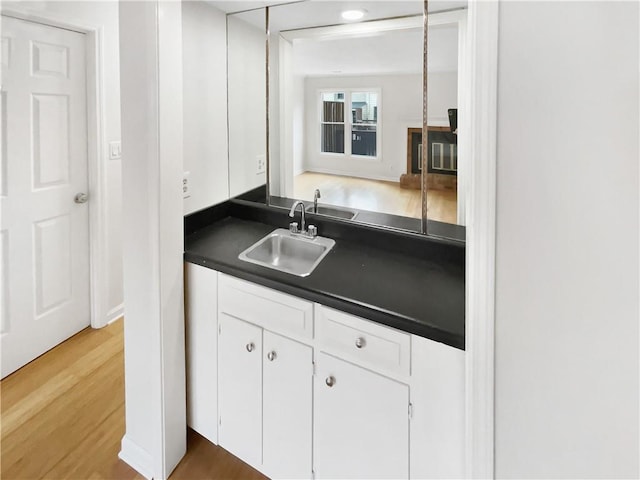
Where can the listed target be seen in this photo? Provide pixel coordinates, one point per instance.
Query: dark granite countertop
(414, 293)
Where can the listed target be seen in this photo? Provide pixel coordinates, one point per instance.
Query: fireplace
(442, 149)
(442, 161)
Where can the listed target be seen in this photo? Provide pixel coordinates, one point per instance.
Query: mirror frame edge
(425, 127)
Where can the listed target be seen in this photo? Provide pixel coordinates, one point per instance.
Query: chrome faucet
(293, 226)
(316, 196)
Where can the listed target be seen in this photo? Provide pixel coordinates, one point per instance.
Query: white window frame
(348, 123)
(321, 122)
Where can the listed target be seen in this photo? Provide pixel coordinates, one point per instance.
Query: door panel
(52, 259)
(45, 234)
(240, 389)
(50, 60)
(287, 407)
(361, 422)
(50, 143)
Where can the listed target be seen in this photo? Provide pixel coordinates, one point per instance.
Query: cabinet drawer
(362, 341)
(270, 309)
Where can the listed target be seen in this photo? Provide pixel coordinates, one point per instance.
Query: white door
(361, 423)
(287, 403)
(240, 389)
(44, 233)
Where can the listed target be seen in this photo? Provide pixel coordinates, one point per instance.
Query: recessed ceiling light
(353, 14)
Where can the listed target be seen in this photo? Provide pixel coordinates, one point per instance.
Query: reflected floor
(375, 195)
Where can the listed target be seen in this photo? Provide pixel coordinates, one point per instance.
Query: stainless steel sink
(333, 212)
(288, 253)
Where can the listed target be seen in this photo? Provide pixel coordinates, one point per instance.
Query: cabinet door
(240, 389)
(287, 407)
(361, 422)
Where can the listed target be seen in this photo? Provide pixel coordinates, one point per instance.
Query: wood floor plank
(207, 461)
(35, 401)
(46, 438)
(97, 448)
(33, 375)
(376, 195)
(36, 398)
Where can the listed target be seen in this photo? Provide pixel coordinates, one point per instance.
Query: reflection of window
(364, 118)
(361, 126)
(332, 123)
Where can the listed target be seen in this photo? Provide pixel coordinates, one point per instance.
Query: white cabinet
(201, 332)
(287, 403)
(381, 403)
(240, 389)
(361, 422)
(265, 379)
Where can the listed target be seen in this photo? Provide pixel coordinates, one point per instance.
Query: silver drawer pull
(272, 356)
(360, 342)
(330, 381)
(250, 347)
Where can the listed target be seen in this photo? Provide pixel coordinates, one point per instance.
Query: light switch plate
(115, 150)
(261, 164)
(186, 187)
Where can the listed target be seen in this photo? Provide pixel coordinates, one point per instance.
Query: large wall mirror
(345, 115)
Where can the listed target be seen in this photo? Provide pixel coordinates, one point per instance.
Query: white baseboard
(136, 457)
(355, 174)
(115, 314)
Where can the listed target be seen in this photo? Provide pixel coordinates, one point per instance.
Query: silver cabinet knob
(250, 347)
(81, 198)
(360, 342)
(272, 356)
(330, 381)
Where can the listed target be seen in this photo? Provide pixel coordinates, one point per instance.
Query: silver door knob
(272, 356)
(250, 347)
(81, 198)
(330, 381)
(360, 342)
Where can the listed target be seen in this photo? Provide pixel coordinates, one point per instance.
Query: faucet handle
(313, 231)
(293, 227)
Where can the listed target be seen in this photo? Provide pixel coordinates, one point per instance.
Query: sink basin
(288, 253)
(333, 212)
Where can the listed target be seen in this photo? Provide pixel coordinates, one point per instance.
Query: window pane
(363, 140)
(332, 138)
(364, 107)
(333, 107)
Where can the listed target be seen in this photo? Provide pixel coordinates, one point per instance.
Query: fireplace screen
(442, 151)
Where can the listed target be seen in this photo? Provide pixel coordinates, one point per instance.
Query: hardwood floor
(375, 195)
(62, 417)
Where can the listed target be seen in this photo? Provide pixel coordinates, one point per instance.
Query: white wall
(401, 108)
(297, 93)
(286, 118)
(204, 40)
(566, 393)
(247, 104)
(103, 15)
